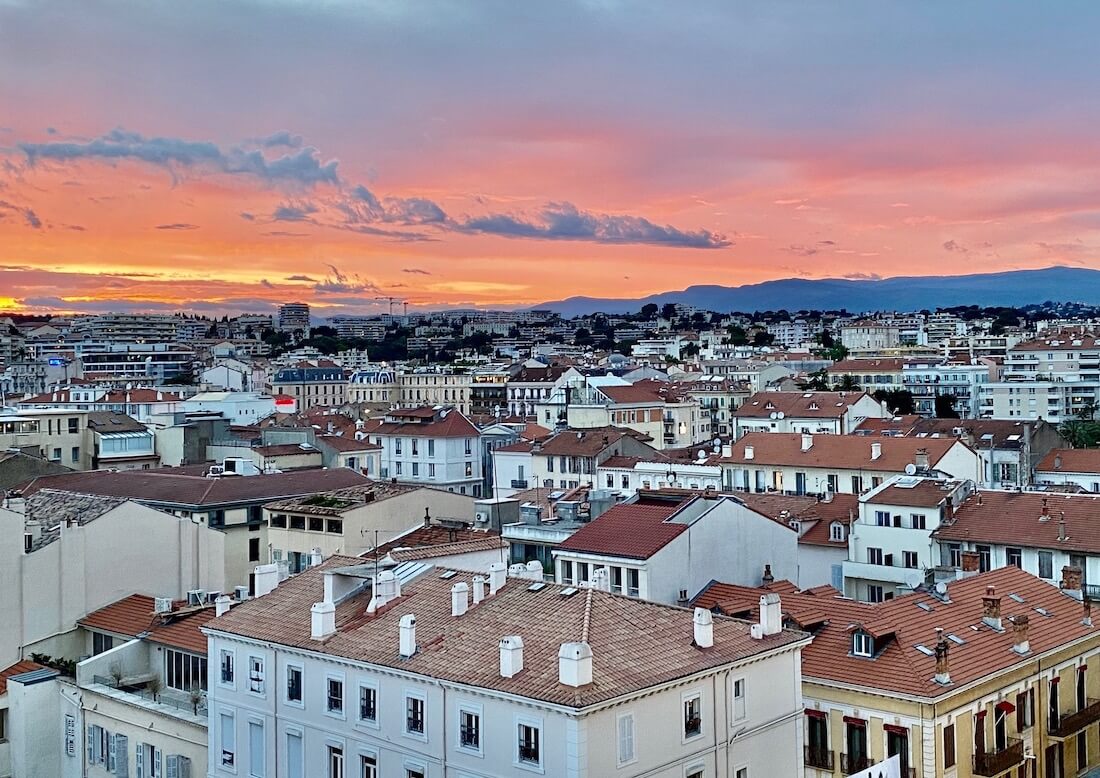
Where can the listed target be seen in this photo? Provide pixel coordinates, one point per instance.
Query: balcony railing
(519, 483)
(1069, 723)
(853, 763)
(820, 758)
(992, 763)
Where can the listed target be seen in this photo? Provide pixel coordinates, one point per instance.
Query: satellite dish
(910, 469)
(780, 415)
(941, 588)
(774, 415)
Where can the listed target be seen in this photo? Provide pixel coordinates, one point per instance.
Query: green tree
(649, 310)
(899, 401)
(847, 383)
(817, 381)
(945, 406)
(668, 311)
(737, 335)
(583, 337)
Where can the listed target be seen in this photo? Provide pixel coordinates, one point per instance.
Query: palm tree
(848, 383)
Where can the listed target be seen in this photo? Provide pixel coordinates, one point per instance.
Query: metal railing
(162, 697)
(820, 758)
(1069, 723)
(992, 763)
(853, 763)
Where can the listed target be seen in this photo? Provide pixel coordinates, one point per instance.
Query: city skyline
(225, 158)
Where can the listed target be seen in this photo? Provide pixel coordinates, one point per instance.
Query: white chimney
(323, 620)
(601, 579)
(534, 570)
(575, 664)
(518, 570)
(807, 441)
(771, 614)
(511, 656)
(727, 450)
(315, 557)
(222, 604)
(749, 453)
(386, 589)
(460, 594)
(407, 626)
(876, 450)
(266, 578)
(497, 576)
(704, 628)
(479, 588)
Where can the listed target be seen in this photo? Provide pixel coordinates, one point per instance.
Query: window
(397, 446)
(529, 751)
(431, 470)
(1046, 565)
(293, 683)
(414, 715)
(469, 469)
(626, 738)
(1014, 557)
(229, 740)
(693, 716)
(253, 549)
(414, 443)
(56, 454)
(874, 556)
(633, 585)
(335, 762)
(836, 532)
(256, 749)
(101, 643)
(862, 644)
(414, 772)
(909, 559)
(431, 447)
(1025, 710)
(875, 593)
(278, 520)
(742, 772)
(917, 520)
(256, 674)
(226, 664)
(469, 445)
(75, 454)
(74, 426)
(316, 525)
(882, 518)
(368, 703)
(416, 468)
(397, 468)
(368, 766)
(295, 767)
(297, 522)
(739, 699)
(469, 729)
(334, 700)
(184, 671)
(984, 555)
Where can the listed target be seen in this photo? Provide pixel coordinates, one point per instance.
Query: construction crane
(393, 300)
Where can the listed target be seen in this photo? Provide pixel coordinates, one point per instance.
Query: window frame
(744, 701)
(262, 680)
(475, 710)
(300, 702)
(410, 696)
(341, 712)
(373, 687)
(535, 724)
(685, 699)
(630, 759)
(231, 655)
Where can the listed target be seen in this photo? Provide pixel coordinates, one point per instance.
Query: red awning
(855, 722)
(893, 728)
(1004, 706)
(816, 714)
(1055, 679)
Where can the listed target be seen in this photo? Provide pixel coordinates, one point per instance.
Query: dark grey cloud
(30, 218)
(302, 278)
(564, 221)
(177, 226)
(338, 282)
(303, 167)
(281, 138)
(362, 206)
(294, 212)
(416, 271)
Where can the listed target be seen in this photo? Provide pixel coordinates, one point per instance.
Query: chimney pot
(1086, 608)
(704, 628)
(322, 620)
(991, 609)
(222, 604)
(497, 576)
(943, 667)
(771, 614)
(575, 664)
(407, 639)
(479, 588)
(1071, 581)
(749, 453)
(876, 450)
(460, 601)
(511, 656)
(1020, 642)
(768, 579)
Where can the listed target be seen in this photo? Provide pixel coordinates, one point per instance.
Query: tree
(1080, 433)
(817, 381)
(583, 337)
(899, 401)
(668, 311)
(737, 336)
(847, 383)
(945, 406)
(689, 350)
(1087, 412)
(762, 338)
(649, 310)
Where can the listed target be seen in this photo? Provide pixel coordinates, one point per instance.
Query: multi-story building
(239, 407)
(718, 396)
(870, 337)
(430, 446)
(489, 392)
(836, 413)
(400, 673)
(928, 379)
(145, 362)
(962, 682)
(366, 327)
(435, 387)
(373, 385)
(140, 403)
(870, 375)
(794, 334)
(660, 411)
(56, 435)
(294, 318)
(1070, 467)
(624, 475)
(312, 383)
(534, 383)
(116, 441)
(126, 328)
(1055, 377)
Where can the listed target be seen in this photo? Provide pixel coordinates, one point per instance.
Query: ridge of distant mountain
(902, 293)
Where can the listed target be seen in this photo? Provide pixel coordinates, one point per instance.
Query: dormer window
(813, 406)
(862, 644)
(836, 532)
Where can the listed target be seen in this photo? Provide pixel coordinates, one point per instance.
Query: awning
(855, 722)
(816, 714)
(1004, 706)
(895, 729)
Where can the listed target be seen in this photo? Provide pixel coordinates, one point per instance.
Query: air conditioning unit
(196, 597)
(212, 596)
(162, 605)
(240, 592)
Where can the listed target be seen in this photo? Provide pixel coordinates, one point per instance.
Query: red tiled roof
(837, 452)
(452, 425)
(129, 616)
(134, 615)
(340, 443)
(1070, 460)
(798, 405)
(854, 366)
(484, 543)
(23, 666)
(633, 530)
(431, 535)
(1013, 519)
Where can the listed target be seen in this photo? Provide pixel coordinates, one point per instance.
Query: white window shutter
(139, 760)
(89, 744)
(122, 758)
(171, 764)
(184, 767)
(156, 763)
(112, 746)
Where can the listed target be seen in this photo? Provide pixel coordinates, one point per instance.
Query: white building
(430, 446)
(239, 407)
(342, 672)
(929, 379)
(836, 413)
(1053, 377)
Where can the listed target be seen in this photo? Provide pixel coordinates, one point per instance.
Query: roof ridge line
(587, 616)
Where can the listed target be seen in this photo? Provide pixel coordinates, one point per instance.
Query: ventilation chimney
(943, 667)
(460, 598)
(1086, 609)
(876, 450)
(991, 609)
(1057, 461)
(704, 628)
(807, 441)
(497, 576)
(575, 664)
(771, 614)
(920, 459)
(768, 579)
(265, 579)
(479, 588)
(1044, 514)
(971, 562)
(322, 620)
(511, 656)
(727, 450)
(1062, 526)
(386, 589)
(1071, 581)
(534, 570)
(1020, 643)
(222, 604)
(601, 579)
(407, 642)
(316, 557)
(750, 453)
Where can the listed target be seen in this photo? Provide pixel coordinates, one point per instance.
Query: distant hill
(1015, 287)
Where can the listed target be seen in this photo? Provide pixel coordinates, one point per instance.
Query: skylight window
(924, 606)
(536, 587)
(1016, 597)
(926, 650)
(955, 639)
(449, 574)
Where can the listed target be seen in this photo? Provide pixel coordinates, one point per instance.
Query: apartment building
(431, 446)
(663, 547)
(795, 333)
(832, 464)
(965, 682)
(294, 317)
(717, 395)
(870, 375)
(870, 336)
(367, 327)
(58, 436)
(928, 379)
(624, 476)
(142, 403)
(125, 327)
(112, 361)
(353, 520)
(534, 383)
(836, 413)
(239, 407)
(1069, 468)
(312, 383)
(403, 674)
(373, 385)
(422, 387)
(1053, 377)
(119, 442)
(658, 410)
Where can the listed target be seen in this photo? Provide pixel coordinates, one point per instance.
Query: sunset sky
(218, 156)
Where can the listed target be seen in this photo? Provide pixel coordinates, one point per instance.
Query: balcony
(518, 483)
(820, 758)
(993, 763)
(850, 763)
(1070, 723)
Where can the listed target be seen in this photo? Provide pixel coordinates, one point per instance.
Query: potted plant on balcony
(154, 686)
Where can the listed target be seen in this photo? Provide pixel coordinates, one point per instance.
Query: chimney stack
(971, 563)
(222, 604)
(601, 579)
(575, 664)
(322, 620)
(991, 609)
(1071, 581)
(1086, 608)
(1057, 461)
(386, 589)
(921, 460)
(1020, 642)
(479, 588)
(460, 594)
(943, 668)
(497, 576)
(511, 656)
(407, 627)
(704, 628)
(750, 454)
(316, 557)
(1044, 514)
(768, 579)
(807, 441)
(876, 450)
(1062, 526)
(771, 614)
(427, 517)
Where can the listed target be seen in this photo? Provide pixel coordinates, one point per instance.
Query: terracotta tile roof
(587, 442)
(430, 536)
(815, 515)
(901, 624)
(635, 530)
(484, 543)
(129, 616)
(1062, 340)
(165, 486)
(798, 405)
(343, 444)
(465, 650)
(854, 366)
(900, 425)
(1003, 433)
(1013, 519)
(837, 452)
(134, 615)
(339, 501)
(451, 425)
(548, 374)
(106, 422)
(23, 666)
(926, 493)
(1070, 460)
